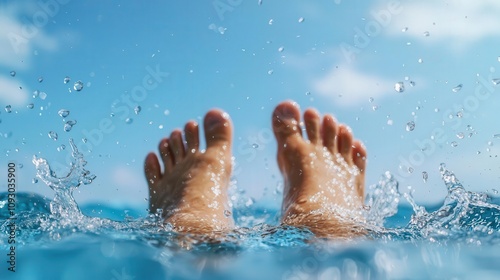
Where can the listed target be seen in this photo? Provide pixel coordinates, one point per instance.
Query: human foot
(324, 176)
(192, 190)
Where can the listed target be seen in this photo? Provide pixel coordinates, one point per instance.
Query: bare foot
(324, 176)
(192, 189)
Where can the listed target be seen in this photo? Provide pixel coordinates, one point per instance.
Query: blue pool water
(58, 240)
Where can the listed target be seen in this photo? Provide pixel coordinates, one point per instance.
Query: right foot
(324, 176)
(192, 190)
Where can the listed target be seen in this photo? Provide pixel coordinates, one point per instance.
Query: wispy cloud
(19, 39)
(349, 87)
(11, 92)
(459, 22)
(127, 178)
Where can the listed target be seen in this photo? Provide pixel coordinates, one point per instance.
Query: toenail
(213, 123)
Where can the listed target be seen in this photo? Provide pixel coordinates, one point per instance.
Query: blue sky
(177, 59)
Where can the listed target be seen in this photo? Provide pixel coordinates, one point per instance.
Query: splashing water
(464, 218)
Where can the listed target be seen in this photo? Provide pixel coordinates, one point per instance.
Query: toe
(153, 172)
(329, 131)
(286, 118)
(359, 156)
(192, 137)
(166, 155)
(312, 122)
(359, 159)
(344, 142)
(218, 129)
(176, 146)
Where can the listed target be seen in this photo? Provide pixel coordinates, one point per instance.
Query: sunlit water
(55, 240)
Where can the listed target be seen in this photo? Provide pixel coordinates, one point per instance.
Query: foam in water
(464, 215)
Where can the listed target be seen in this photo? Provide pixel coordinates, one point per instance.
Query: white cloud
(347, 86)
(11, 92)
(460, 22)
(127, 178)
(18, 40)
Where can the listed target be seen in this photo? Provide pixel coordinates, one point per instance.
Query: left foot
(192, 190)
(324, 176)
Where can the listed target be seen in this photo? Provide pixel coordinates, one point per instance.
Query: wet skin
(323, 175)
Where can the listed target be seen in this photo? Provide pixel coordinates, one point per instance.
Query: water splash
(464, 215)
(64, 205)
(382, 200)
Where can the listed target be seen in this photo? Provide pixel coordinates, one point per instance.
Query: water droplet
(281, 49)
(78, 86)
(270, 72)
(399, 87)
(412, 83)
(427, 34)
(375, 107)
(425, 176)
(84, 140)
(53, 135)
(454, 144)
(410, 169)
(260, 2)
(69, 125)
(8, 109)
(410, 126)
(166, 112)
(496, 135)
(13, 73)
(371, 99)
(61, 148)
(457, 88)
(390, 122)
(420, 60)
(34, 180)
(63, 113)
(129, 120)
(495, 81)
(43, 95)
(250, 201)
(494, 191)
(40, 79)
(66, 79)
(404, 29)
(30, 106)
(227, 213)
(301, 19)
(271, 22)
(460, 135)
(137, 110)
(36, 93)
(255, 145)
(490, 143)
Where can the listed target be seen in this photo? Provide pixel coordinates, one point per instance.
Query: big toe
(286, 118)
(218, 130)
